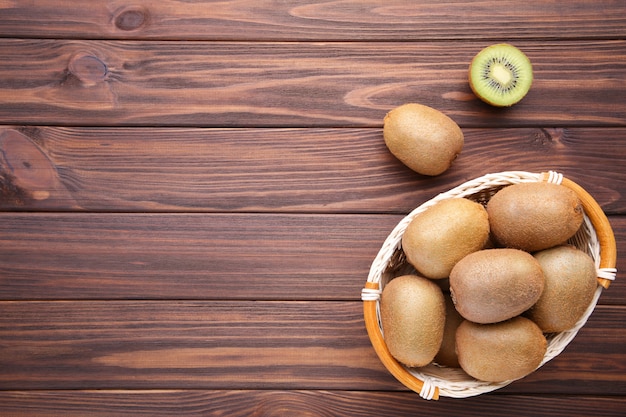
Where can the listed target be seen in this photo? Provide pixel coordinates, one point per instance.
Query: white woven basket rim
(453, 382)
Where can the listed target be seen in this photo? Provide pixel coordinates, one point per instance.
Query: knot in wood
(25, 170)
(131, 18)
(88, 68)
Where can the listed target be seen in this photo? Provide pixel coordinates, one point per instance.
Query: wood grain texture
(198, 256)
(192, 193)
(398, 20)
(286, 170)
(293, 403)
(216, 345)
(294, 84)
(183, 256)
(247, 345)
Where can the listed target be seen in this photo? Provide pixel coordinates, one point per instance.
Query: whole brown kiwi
(501, 351)
(493, 285)
(422, 138)
(412, 311)
(437, 238)
(570, 285)
(534, 216)
(447, 352)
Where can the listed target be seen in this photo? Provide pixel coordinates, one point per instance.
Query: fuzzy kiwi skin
(422, 138)
(534, 216)
(494, 285)
(412, 311)
(569, 288)
(501, 351)
(437, 238)
(447, 352)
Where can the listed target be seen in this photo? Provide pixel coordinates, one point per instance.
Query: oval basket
(595, 237)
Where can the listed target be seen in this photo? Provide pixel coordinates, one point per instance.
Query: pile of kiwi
(489, 281)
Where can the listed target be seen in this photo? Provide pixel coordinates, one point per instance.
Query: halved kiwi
(500, 75)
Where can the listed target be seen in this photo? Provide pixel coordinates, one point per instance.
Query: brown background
(191, 195)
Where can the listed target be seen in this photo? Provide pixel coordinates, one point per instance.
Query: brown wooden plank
(301, 20)
(200, 256)
(218, 256)
(248, 345)
(294, 403)
(287, 170)
(290, 84)
(223, 345)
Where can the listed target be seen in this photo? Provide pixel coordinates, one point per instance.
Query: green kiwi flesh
(500, 75)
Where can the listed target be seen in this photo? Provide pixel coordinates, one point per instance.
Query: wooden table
(192, 194)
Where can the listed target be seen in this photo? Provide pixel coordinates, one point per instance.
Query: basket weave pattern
(595, 237)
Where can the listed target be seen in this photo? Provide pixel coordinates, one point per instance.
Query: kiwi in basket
(486, 353)
(570, 285)
(501, 351)
(500, 75)
(412, 312)
(534, 216)
(447, 352)
(493, 285)
(437, 238)
(422, 138)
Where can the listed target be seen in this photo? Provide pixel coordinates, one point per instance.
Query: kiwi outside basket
(595, 237)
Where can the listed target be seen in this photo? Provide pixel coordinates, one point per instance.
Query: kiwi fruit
(494, 285)
(534, 216)
(422, 138)
(570, 284)
(440, 236)
(447, 352)
(412, 312)
(500, 75)
(501, 351)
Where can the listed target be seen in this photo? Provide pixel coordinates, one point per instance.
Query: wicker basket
(594, 237)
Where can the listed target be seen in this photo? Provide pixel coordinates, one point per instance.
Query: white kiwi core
(501, 74)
